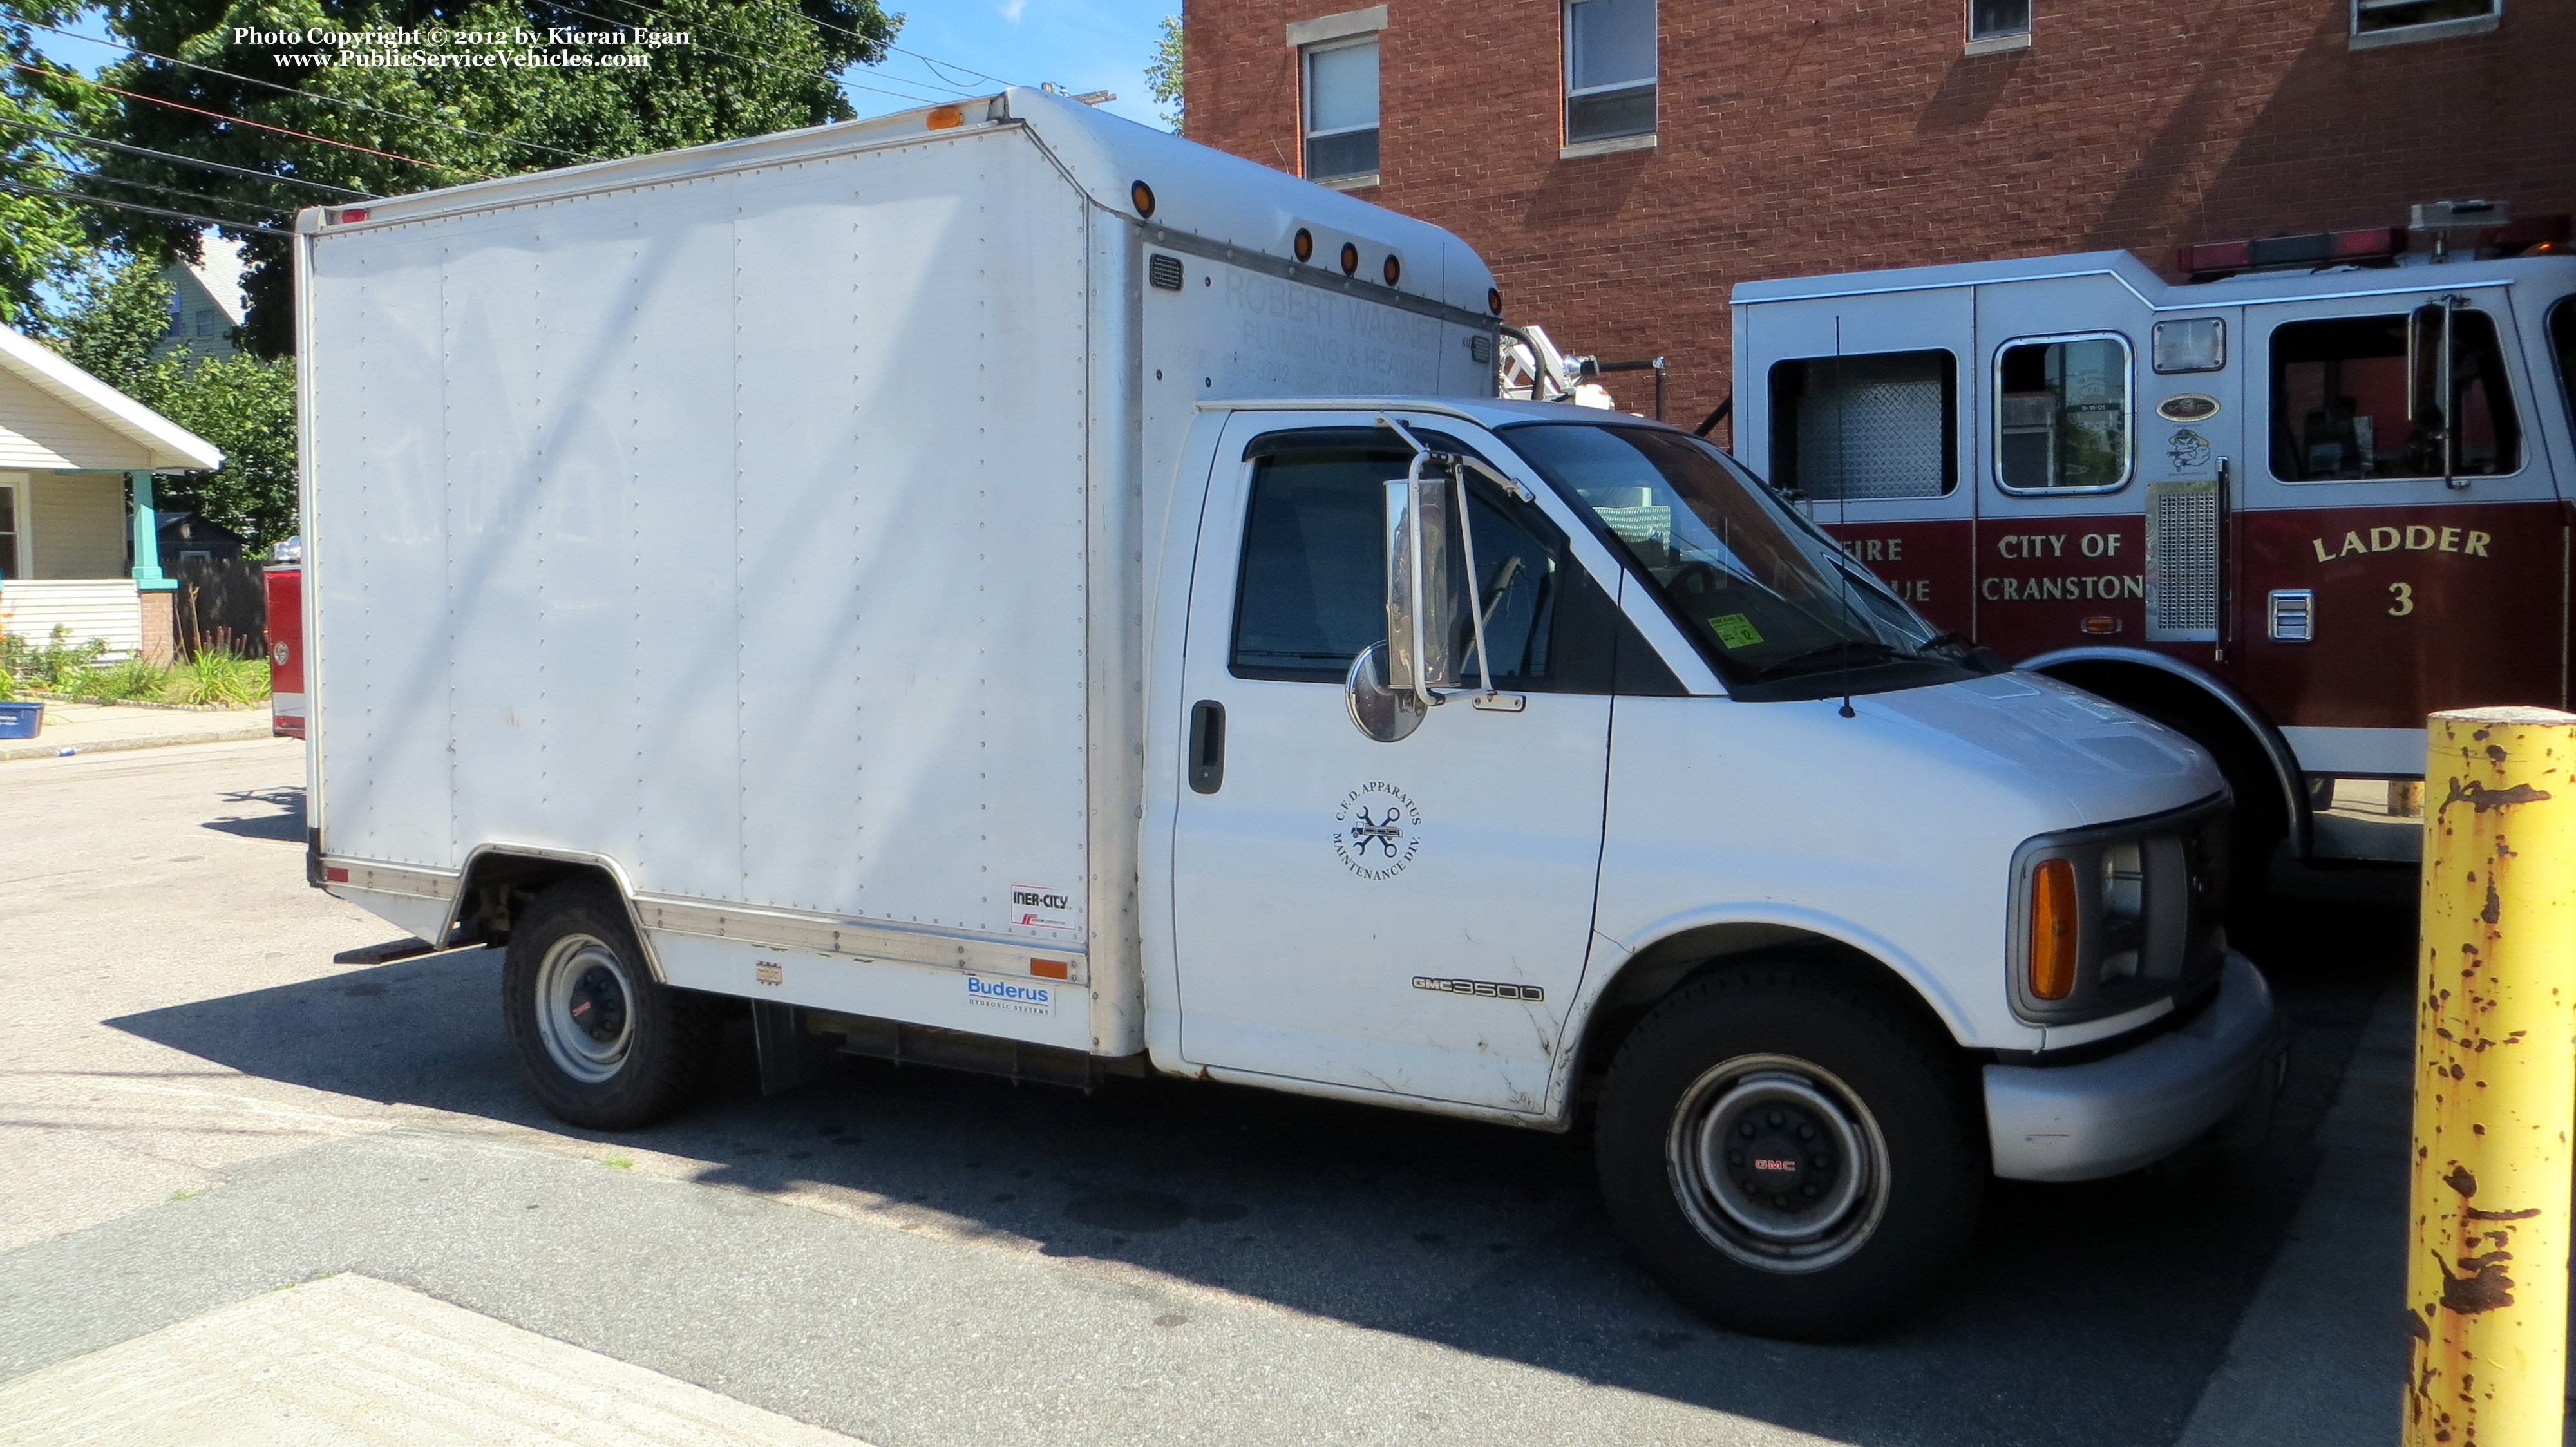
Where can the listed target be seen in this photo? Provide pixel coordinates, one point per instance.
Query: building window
(2390, 22)
(205, 324)
(1341, 110)
(1876, 425)
(9, 531)
(1609, 69)
(2062, 414)
(1998, 25)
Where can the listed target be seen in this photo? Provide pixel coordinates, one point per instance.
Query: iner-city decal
(1377, 830)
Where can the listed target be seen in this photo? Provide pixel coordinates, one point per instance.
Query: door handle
(1207, 746)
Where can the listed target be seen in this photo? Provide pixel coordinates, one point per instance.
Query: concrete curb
(38, 749)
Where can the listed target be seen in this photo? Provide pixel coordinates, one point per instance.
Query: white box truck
(1004, 587)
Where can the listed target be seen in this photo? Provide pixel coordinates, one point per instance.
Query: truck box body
(766, 523)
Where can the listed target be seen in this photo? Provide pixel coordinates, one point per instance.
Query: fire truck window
(2342, 398)
(2062, 414)
(1882, 424)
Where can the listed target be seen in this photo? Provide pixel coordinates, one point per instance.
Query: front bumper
(2083, 1122)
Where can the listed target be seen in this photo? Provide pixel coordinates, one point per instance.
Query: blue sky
(1083, 45)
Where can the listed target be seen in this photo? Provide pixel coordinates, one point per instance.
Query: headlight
(2110, 918)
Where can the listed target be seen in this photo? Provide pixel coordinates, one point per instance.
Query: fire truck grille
(2182, 561)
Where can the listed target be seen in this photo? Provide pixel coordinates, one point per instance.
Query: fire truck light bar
(2318, 248)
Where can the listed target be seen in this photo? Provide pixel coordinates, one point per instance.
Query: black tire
(1875, 1168)
(601, 1044)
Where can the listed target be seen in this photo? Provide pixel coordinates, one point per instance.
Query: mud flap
(789, 1057)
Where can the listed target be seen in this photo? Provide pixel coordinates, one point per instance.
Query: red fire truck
(2289, 506)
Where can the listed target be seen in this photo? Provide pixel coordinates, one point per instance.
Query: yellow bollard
(2495, 1081)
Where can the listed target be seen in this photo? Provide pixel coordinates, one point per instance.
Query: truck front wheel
(601, 1043)
(1788, 1156)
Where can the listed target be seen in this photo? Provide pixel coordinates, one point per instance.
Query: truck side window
(1881, 424)
(1312, 589)
(2347, 403)
(2062, 413)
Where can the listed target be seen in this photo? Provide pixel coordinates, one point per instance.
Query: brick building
(1623, 163)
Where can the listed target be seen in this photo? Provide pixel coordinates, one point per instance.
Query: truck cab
(1707, 833)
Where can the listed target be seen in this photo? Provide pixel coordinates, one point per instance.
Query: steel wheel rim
(1711, 1159)
(585, 1008)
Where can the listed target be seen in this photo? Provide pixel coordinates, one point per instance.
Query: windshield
(1767, 597)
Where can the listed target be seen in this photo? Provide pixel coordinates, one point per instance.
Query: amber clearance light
(943, 118)
(2052, 929)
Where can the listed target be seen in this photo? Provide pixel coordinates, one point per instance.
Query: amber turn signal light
(2052, 930)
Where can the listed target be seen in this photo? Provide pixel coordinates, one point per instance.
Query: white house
(77, 538)
(206, 300)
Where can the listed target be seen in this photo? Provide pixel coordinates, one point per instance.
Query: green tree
(43, 243)
(120, 314)
(245, 405)
(1163, 73)
(749, 67)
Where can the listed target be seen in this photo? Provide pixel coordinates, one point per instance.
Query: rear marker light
(1051, 969)
(347, 214)
(2100, 625)
(2052, 930)
(337, 874)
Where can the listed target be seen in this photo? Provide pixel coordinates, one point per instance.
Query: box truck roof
(1190, 188)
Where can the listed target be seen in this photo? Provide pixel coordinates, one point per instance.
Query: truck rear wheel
(601, 1043)
(1787, 1156)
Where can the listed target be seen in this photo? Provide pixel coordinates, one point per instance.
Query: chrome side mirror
(1383, 713)
(1421, 652)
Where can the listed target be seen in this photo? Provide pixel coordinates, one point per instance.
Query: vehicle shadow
(266, 814)
(2088, 1314)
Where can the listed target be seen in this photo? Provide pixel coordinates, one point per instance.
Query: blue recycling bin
(22, 720)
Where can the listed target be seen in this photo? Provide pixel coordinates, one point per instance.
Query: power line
(140, 185)
(931, 61)
(9, 185)
(746, 59)
(316, 95)
(246, 121)
(79, 139)
(949, 65)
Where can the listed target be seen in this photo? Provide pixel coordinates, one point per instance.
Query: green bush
(134, 678)
(214, 676)
(55, 667)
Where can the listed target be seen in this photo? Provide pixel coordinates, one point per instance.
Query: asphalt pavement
(203, 1107)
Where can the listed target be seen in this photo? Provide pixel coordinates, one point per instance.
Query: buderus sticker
(1010, 995)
